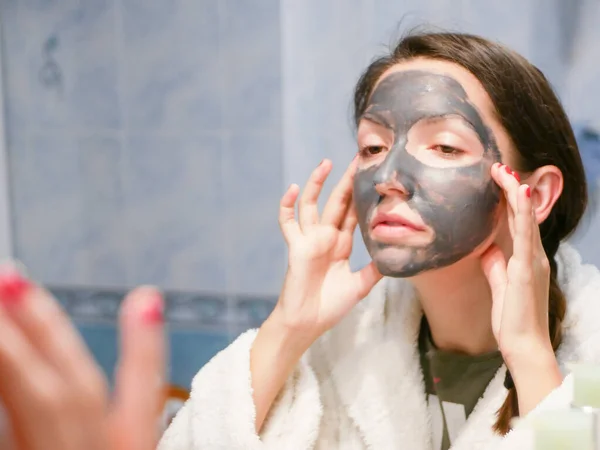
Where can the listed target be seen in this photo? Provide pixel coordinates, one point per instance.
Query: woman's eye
(446, 149)
(373, 150)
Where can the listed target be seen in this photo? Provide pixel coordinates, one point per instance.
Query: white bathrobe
(360, 385)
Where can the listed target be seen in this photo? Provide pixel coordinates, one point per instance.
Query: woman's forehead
(476, 94)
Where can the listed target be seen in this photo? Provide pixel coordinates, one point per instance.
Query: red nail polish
(154, 312)
(507, 169)
(516, 175)
(528, 192)
(13, 287)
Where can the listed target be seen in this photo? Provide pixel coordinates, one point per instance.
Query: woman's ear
(546, 185)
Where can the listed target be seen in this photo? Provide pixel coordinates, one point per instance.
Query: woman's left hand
(520, 287)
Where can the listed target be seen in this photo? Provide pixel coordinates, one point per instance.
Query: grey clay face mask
(458, 203)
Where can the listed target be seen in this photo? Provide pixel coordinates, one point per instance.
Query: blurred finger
(51, 332)
(493, 264)
(141, 371)
(287, 217)
(308, 211)
(509, 182)
(351, 219)
(536, 234)
(525, 227)
(29, 388)
(337, 204)
(366, 279)
(8, 438)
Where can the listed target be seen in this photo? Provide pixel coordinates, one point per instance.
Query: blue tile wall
(145, 146)
(251, 64)
(102, 340)
(175, 211)
(69, 64)
(134, 128)
(188, 350)
(257, 250)
(170, 57)
(199, 325)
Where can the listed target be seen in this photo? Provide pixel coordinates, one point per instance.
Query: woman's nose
(391, 185)
(389, 179)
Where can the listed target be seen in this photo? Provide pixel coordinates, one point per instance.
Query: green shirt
(454, 382)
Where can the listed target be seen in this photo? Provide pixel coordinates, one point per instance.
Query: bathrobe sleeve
(220, 413)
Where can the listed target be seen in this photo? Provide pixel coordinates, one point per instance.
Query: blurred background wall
(150, 141)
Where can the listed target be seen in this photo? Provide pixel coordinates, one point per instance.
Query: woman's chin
(412, 262)
(397, 262)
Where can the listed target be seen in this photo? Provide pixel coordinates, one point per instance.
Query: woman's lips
(386, 230)
(394, 228)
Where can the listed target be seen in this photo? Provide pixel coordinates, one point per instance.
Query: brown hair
(535, 121)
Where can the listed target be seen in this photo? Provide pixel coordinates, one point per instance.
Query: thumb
(366, 278)
(493, 264)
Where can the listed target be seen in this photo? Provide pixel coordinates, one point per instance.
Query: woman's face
(423, 190)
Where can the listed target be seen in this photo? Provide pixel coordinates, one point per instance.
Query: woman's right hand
(319, 287)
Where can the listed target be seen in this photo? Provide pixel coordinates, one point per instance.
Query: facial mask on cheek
(459, 204)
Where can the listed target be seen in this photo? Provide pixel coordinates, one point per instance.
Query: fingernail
(528, 192)
(13, 285)
(154, 312)
(517, 176)
(321, 163)
(507, 169)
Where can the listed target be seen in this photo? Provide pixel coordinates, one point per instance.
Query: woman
(467, 180)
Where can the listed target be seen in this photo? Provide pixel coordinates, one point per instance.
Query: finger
(493, 264)
(28, 384)
(53, 338)
(141, 371)
(337, 205)
(351, 219)
(536, 235)
(287, 217)
(525, 227)
(50, 331)
(308, 211)
(365, 279)
(509, 182)
(9, 439)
